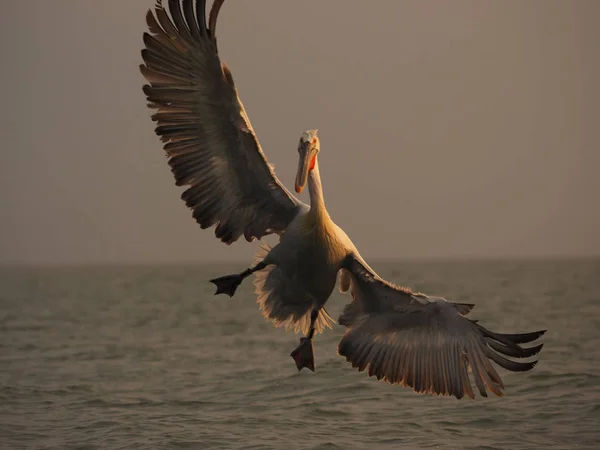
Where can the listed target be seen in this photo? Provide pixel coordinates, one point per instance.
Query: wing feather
(422, 342)
(208, 139)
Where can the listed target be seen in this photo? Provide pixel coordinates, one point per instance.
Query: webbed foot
(304, 354)
(227, 284)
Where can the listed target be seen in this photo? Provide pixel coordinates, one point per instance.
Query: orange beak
(308, 159)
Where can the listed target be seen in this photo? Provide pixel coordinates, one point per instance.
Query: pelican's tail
(285, 302)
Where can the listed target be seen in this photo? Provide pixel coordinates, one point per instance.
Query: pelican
(403, 337)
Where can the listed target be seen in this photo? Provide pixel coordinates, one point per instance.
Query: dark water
(146, 357)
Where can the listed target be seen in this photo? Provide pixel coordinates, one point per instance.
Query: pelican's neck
(315, 190)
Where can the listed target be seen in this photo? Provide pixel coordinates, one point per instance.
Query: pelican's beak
(307, 161)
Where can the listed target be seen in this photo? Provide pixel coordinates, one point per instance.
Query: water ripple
(127, 358)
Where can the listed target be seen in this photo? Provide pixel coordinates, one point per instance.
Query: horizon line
(380, 260)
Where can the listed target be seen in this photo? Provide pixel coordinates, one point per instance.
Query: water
(146, 357)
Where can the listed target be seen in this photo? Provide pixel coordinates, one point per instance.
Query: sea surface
(145, 357)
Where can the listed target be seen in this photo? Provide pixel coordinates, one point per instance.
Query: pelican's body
(302, 268)
(400, 336)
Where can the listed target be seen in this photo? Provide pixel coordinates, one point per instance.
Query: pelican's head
(308, 148)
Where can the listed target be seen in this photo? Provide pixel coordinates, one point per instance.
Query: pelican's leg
(304, 353)
(229, 283)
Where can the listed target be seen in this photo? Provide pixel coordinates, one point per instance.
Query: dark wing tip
(524, 338)
(212, 20)
(511, 340)
(508, 364)
(150, 19)
(214, 14)
(515, 352)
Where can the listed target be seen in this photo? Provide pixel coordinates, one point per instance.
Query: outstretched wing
(207, 136)
(423, 342)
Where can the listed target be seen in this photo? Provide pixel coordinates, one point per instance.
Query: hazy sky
(459, 128)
